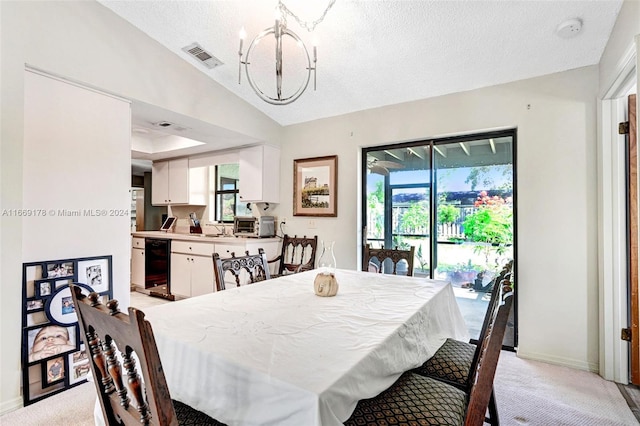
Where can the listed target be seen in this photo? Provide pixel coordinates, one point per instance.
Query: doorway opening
(452, 199)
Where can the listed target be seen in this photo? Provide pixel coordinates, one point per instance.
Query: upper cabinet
(260, 174)
(173, 182)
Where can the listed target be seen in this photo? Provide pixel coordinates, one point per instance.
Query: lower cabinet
(192, 272)
(191, 275)
(137, 267)
(191, 269)
(137, 263)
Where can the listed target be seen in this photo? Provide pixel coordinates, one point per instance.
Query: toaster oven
(255, 227)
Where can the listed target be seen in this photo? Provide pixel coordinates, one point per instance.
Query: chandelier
(279, 31)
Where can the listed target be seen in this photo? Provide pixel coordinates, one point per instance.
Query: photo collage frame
(53, 351)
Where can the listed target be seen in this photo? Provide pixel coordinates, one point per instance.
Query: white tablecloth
(274, 353)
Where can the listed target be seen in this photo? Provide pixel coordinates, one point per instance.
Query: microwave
(256, 227)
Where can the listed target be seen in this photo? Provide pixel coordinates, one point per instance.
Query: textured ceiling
(376, 53)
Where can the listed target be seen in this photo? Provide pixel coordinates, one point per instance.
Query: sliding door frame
(432, 143)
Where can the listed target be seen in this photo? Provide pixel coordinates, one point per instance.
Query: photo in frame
(35, 305)
(94, 273)
(79, 367)
(57, 270)
(48, 340)
(59, 307)
(44, 288)
(53, 371)
(315, 186)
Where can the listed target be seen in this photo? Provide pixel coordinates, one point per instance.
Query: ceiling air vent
(202, 55)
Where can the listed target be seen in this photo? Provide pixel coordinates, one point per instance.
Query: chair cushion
(412, 400)
(190, 416)
(450, 363)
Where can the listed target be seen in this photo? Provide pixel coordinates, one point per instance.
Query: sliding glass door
(398, 199)
(452, 199)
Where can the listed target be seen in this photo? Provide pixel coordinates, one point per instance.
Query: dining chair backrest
(125, 397)
(374, 259)
(298, 254)
(496, 297)
(483, 374)
(246, 269)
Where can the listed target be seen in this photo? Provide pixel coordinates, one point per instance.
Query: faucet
(223, 232)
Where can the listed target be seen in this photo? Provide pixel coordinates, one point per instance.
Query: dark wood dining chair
(297, 255)
(416, 399)
(129, 394)
(454, 361)
(374, 259)
(246, 269)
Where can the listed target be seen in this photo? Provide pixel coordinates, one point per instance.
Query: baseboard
(11, 405)
(565, 362)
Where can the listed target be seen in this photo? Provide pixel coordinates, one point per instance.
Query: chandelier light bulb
(243, 34)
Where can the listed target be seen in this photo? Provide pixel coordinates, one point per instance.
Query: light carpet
(527, 392)
(540, 394)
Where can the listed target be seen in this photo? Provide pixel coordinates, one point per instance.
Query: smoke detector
(569, 28)
(198, 53)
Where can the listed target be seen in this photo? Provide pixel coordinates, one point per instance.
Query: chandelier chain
(306, 25)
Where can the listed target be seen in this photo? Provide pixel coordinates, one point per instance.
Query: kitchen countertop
(230, 239)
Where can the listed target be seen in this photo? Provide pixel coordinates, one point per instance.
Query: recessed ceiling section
(158, 134)
(150, 144)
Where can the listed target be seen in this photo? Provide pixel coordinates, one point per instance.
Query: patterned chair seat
(412, 400)
(188, 416)
(451, 363)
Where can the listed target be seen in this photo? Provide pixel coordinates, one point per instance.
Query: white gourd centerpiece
(325, 284)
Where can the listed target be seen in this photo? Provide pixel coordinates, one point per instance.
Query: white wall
(85, 42)
(77, 167)
(555, 117)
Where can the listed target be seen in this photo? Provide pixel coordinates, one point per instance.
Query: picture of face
(48, 341)
(67, 306)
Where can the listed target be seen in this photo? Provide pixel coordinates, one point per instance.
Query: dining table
(275, 353)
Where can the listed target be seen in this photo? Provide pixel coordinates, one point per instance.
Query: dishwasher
(157, 264)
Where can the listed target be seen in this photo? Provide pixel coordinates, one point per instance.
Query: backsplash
(183, 222)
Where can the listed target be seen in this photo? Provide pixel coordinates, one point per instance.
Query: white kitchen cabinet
(202, 278)
(191, 268)
(137, 263)
(259, 174)
(173, 182)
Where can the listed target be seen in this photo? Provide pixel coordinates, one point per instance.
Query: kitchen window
(224, 196)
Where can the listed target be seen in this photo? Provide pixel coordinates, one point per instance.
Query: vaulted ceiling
(373, 53)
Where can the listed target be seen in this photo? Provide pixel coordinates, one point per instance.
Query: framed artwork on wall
(315, 186)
